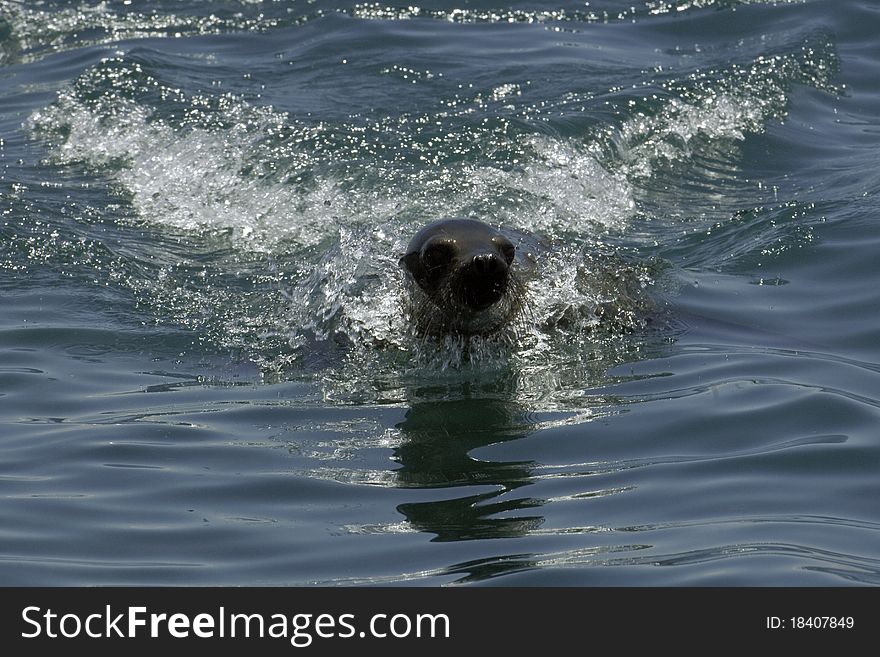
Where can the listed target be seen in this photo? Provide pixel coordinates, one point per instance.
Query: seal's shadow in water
(439, 436)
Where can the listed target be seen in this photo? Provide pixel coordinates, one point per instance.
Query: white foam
(203, 178)
(672, 134)
(578, 194)
(193, 179)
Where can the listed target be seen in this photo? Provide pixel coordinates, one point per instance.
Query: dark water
(205, 377)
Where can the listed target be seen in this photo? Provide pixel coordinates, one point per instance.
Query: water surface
(205, 373)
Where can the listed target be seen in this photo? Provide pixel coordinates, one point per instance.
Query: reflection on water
(438, 439)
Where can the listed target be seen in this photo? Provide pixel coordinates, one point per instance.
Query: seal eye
(507, 249)
(437, 254)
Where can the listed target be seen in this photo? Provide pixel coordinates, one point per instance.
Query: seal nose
(483, 281)
(486, 264)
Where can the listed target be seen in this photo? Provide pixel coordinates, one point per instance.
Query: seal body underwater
(464, 277)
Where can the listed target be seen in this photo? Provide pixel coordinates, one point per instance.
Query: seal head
(462, 277)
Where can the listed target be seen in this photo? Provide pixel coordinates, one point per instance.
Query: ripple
(207, 377)
(44, 29)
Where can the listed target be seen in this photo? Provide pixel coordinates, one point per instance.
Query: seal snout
(488, 264)
(483, 280)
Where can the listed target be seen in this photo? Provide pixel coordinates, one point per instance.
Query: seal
(464, 277)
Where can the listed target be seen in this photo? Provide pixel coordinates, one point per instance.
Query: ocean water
(207, 378)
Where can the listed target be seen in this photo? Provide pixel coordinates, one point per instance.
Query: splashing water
(327, 206)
